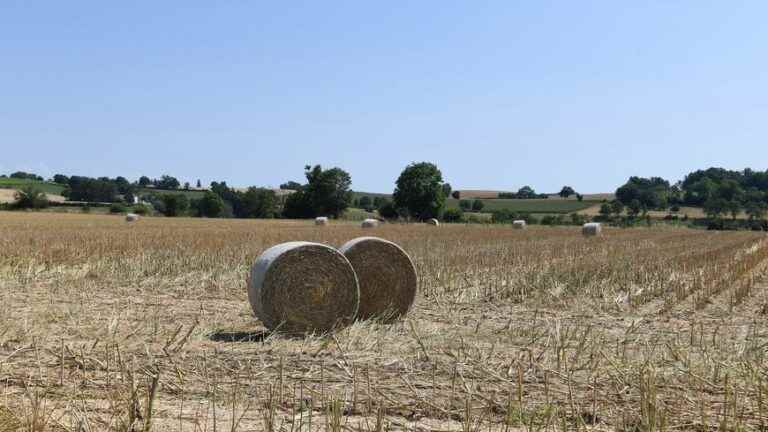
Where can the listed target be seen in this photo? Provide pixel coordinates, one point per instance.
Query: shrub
(387, 210)
(142, 209)
(30, 197)
(477, 205)
(117, 208)
(504, 216)
(578, 219)
(453, 215)
(174, 204)
(210, 205)
(549, 220)
(465, 205)
(478, 218)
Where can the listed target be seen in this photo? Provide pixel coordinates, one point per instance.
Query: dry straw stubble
(300, 287)
(386, 275)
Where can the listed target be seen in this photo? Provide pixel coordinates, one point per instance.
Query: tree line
(719, 192)
(419, 193)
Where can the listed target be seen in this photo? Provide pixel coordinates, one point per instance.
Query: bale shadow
(239, 336)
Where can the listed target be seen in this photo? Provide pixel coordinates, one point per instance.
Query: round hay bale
(386, 275)
(370, 223)
(433, 222)
(321, 221)
(131, 217)
(592, 229)
(519, 224)
(301, 287)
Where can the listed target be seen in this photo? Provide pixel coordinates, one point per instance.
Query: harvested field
(109, 326)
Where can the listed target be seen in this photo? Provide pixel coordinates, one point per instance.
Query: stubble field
(112, 326)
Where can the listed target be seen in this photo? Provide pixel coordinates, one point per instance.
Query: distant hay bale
(321, 221)
(519, 224)
(386, 275)
(301, 287)
(592, 229)
(131, 217)
(370, 223)
(433, 222)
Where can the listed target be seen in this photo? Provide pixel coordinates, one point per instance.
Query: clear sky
(498, 94)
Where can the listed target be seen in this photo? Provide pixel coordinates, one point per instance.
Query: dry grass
(9, 196)
(112, 326)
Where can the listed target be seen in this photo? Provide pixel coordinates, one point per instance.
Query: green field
(191, 194)
(47, 187)
(57, 189)
(530, 205)
(545, 206)
(358, 195)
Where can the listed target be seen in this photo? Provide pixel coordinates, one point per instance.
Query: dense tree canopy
(90, 189)
(649, 193)
(566, 191)
(419, 191)
(26, 176)
(327, 193)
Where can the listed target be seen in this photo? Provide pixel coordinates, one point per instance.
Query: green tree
(453, 215)
(477, 205)
(259, 203)
(60, 179)
(634, 207)
(328, 191)
(174, 204)
(366, 203)
(606, 209)
(387, 210)
(465, 205)
(755, 209)
(91, 190)
(419, 190)
(30, 197)
(566, 191)
(167, 182)
(298, 206)
(210, 205)
(447, 189)
(526, 192)
(26, 176)
(652, 193)
(291, 185)
(617, 207)
(144, 181)
(715, 207)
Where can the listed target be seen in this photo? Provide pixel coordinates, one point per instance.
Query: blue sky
(498, 94)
